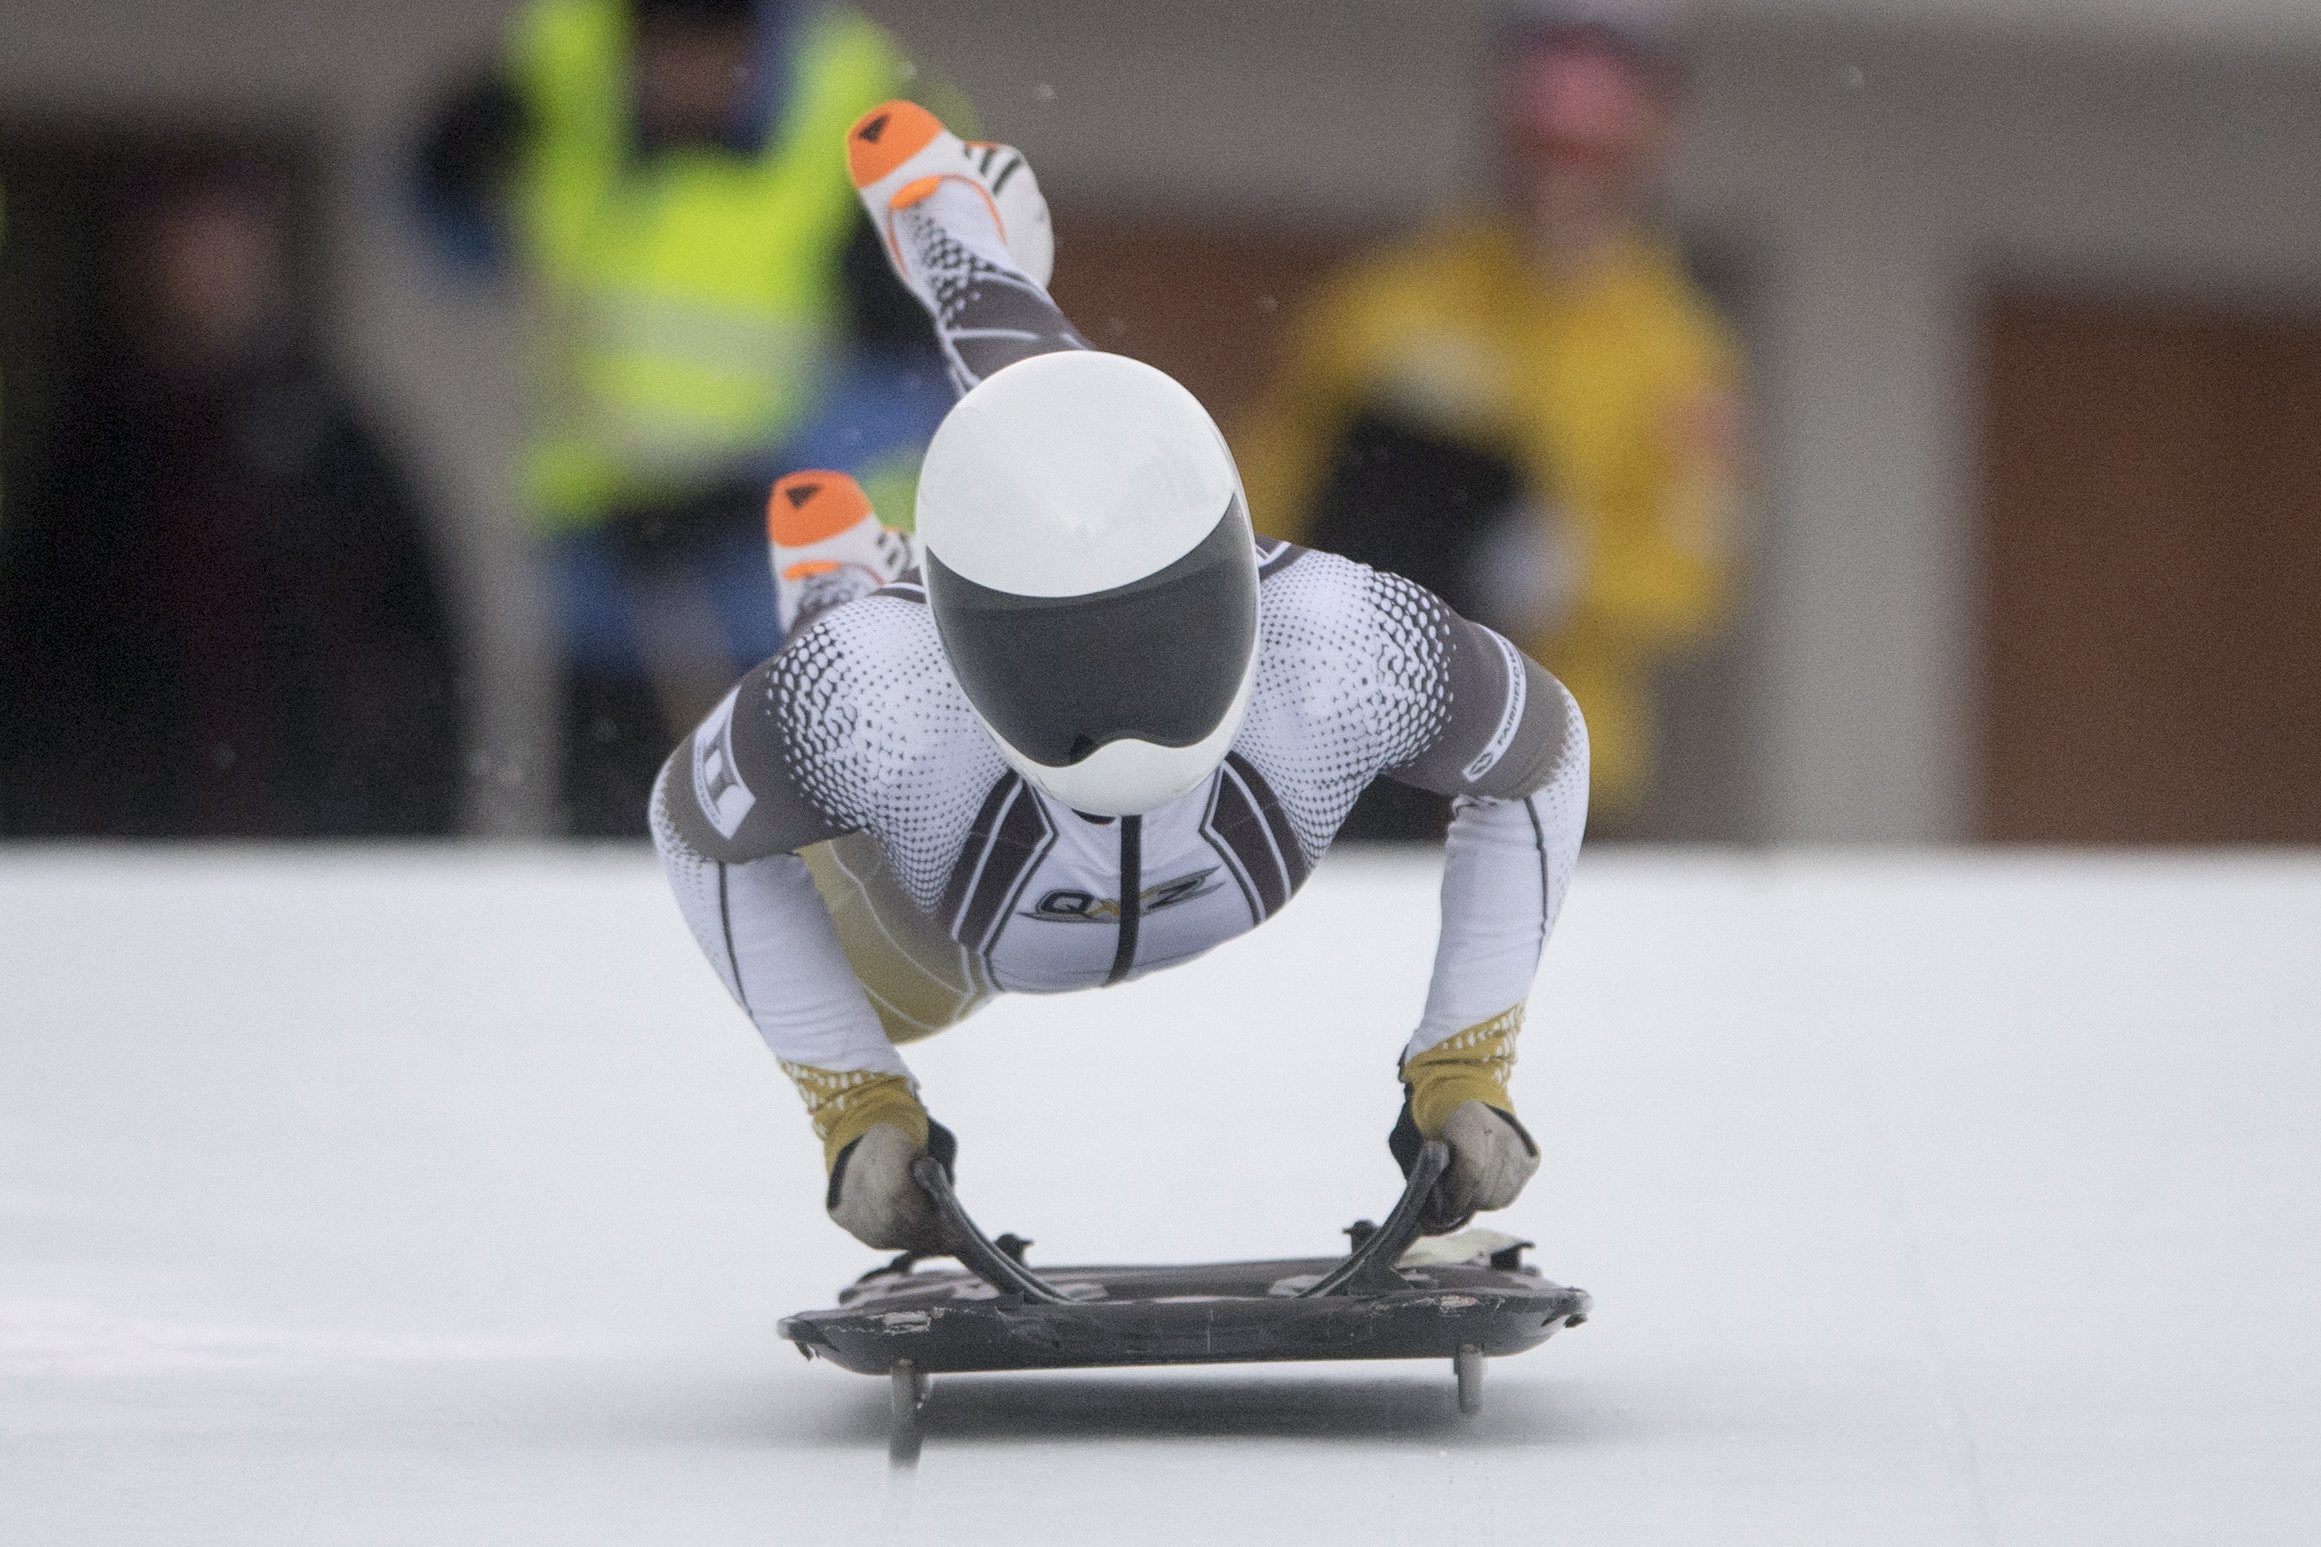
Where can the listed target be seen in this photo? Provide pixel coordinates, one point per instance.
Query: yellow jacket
(1614, 393)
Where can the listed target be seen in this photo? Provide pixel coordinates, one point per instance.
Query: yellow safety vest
(690, 304)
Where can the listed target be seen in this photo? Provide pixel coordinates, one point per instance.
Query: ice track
(391, 1197)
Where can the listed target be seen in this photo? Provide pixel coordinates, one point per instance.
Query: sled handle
(975, 1249)
(1369, 1268)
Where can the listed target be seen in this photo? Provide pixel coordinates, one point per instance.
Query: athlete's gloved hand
(874, 1197)
(873, 1130)
(1456, 1091)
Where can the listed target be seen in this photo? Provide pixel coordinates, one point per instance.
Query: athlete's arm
(1512, 752)
(1513, 755)
(728, 818)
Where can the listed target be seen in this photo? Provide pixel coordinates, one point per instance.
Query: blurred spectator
(712, 311)
(217, 606)
(3, 393)
(1531, 409)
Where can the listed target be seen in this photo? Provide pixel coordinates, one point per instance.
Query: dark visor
(1158, 659)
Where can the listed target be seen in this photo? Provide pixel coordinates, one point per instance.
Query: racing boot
(828, 546)
(900, 157)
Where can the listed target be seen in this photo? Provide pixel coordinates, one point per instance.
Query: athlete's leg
(966, 230)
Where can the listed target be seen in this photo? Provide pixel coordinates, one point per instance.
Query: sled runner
(1465, 1298)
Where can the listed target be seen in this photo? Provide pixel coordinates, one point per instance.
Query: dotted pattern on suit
(988, 314)
(1351, 680)
(877, 734)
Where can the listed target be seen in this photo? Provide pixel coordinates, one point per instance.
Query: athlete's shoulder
(1310, 594)
(869, 649)
(870, 662)
(1350, 656)
(864, 704)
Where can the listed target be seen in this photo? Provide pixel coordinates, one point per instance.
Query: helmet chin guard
(1130, 777)
(1092, 574)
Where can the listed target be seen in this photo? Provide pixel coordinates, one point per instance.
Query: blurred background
(1901, 422)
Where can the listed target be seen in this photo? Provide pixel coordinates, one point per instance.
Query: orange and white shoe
(828, 545)
(900, 155)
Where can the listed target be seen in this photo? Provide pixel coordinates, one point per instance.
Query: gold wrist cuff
(1469, 1065)
(844, 1104)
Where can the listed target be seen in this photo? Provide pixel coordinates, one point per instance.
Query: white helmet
(1093, 577)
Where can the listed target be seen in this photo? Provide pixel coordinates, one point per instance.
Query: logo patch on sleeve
(717, 783)
(1510, 714)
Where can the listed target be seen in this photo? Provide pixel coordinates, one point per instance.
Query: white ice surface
(365, 1197)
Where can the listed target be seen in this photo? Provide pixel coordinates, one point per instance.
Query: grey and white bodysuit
(862, 867)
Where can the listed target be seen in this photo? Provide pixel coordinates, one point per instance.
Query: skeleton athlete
(1096, 730)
